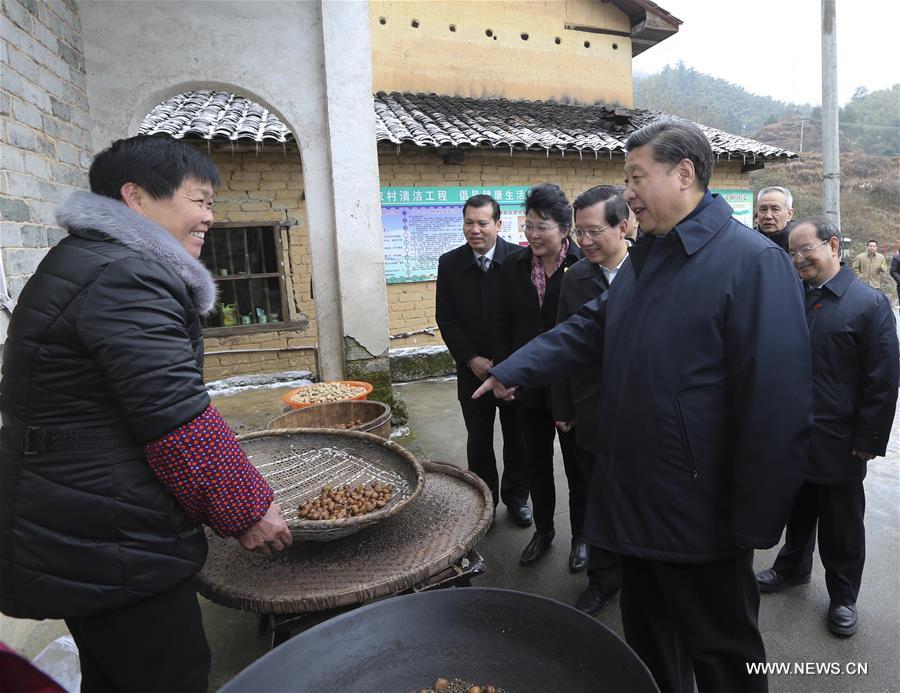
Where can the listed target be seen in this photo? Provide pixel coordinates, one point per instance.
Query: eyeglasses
(592, 231)
(530, 229)
(803, 253)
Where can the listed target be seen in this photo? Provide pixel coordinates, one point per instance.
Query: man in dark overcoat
(703, 416)
(466, 288)
(602, 222)
(855, 378)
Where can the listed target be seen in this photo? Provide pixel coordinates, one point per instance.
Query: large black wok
(516, 641)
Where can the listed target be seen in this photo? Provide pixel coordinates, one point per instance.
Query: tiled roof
(214, 115)
(431, 120)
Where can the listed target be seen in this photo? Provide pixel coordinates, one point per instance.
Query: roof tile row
(432, 120)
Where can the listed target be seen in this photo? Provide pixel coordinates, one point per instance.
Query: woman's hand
(270, 533)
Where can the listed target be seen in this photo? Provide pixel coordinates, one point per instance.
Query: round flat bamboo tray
(297, 462)
(438, 528)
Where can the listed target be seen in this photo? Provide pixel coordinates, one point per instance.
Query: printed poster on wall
(741, 201)
(420, 224)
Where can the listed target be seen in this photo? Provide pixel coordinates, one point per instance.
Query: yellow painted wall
(411, 305)
(430, 57)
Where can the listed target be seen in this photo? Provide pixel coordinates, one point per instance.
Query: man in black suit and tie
(602, 222)
(466, 286)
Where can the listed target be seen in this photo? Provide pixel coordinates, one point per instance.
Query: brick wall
(267, 186)
(411, 305)
(44, 123)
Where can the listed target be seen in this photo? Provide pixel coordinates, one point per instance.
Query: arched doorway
(260, 252)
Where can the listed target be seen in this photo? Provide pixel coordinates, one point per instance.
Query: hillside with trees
(870, 144)
(709, 100)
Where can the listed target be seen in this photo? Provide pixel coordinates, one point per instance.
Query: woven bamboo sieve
(298, 462)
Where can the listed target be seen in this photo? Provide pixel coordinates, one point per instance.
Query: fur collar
(84, 210)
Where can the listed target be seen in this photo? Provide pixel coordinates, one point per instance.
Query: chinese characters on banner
(741, 202)
(420, 224)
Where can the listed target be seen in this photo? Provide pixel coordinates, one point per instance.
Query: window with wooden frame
(246, 261)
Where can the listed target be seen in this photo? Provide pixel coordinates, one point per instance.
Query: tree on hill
(709, 100)
(871, 121)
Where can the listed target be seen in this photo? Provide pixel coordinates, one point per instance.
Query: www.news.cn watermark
(809, 668)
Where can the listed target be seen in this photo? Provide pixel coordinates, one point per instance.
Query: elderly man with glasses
(855, 378)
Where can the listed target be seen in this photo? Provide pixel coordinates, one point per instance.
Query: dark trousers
(690, 621)
(839, 512)
(479, 415)
(539, 430)
(155, 646)
(604, 568)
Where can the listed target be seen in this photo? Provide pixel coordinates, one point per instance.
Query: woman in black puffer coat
(111, 457)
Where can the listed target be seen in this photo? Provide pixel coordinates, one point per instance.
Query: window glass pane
(232, 252)
(261, 250)
(270, 257)
(247, 302)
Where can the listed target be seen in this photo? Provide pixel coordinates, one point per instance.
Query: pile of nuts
(348, 425)
(443, 685)
(336, 503)
(326, 392)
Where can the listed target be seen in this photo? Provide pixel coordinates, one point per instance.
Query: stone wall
(44, 123)
(411, 305)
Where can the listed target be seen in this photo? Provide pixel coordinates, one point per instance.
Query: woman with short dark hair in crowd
(527, 306)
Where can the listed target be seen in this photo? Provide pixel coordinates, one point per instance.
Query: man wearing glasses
(855, 378)
(602, 222)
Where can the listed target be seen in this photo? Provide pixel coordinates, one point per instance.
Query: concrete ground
(793, 623)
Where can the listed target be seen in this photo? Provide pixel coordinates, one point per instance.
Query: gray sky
(774, 47)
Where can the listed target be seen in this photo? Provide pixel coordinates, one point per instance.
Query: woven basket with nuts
(331, 483)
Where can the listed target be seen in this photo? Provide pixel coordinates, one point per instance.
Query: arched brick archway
(259, 250)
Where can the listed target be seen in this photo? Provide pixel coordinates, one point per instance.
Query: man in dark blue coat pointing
(706, 412)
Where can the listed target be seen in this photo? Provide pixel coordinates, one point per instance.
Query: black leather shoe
(592, 600)
(842, 619)
(537, 547)
(772, 581)
(578, 557)
(521, 515)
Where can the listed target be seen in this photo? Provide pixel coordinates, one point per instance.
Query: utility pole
(831, 153)
(801, 135)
